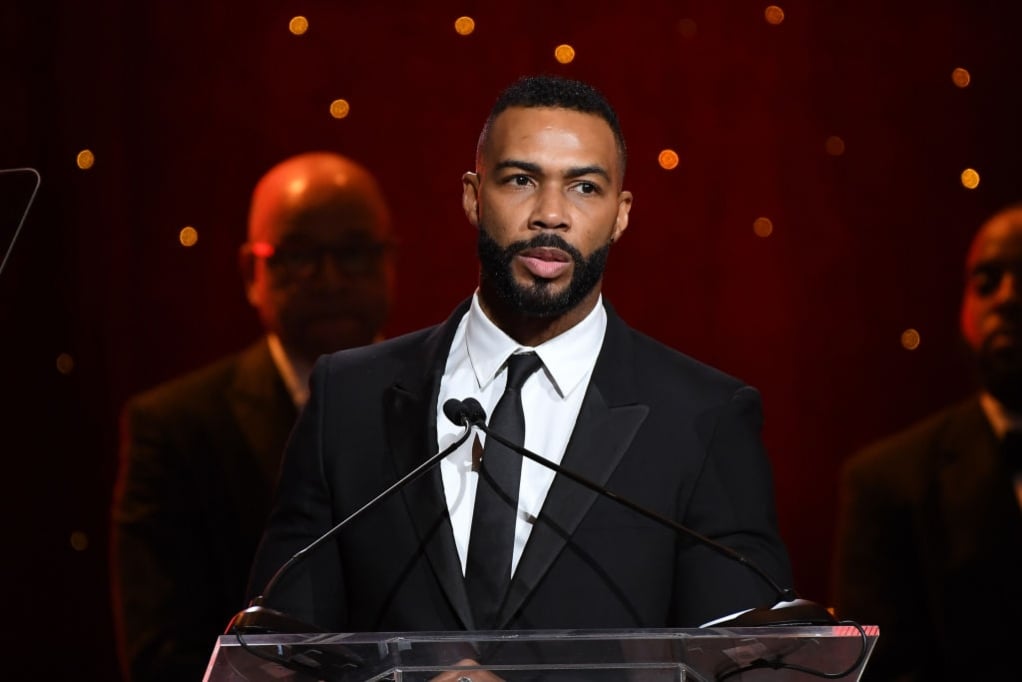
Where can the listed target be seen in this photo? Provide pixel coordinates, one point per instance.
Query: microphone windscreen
(454, 410)
(474, 412)
(465, 412)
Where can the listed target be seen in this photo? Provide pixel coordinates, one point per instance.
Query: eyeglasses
(303, 262)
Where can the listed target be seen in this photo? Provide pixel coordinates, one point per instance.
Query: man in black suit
(200, 454)
(649, 423)
(930, 532)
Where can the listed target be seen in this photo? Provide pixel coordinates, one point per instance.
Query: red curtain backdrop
(185, 104)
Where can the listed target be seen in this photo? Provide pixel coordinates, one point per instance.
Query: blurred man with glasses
(199, 454)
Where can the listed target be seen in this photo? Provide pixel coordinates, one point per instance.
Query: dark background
(185, 104)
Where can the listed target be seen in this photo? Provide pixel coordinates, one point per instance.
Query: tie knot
(520, 367)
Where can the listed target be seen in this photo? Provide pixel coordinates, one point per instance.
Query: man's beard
(537, 299)
(1000, 373)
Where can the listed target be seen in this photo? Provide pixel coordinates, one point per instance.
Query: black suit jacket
(654, 426)
(199, 460)
(930, 549)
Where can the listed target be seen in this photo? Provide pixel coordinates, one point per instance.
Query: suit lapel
(262, 408)
(975, 489)
(410, 413)
(608, 421)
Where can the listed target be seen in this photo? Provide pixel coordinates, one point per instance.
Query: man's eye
(296, 256)
(588, 187)
(520, 180)
(985, 282)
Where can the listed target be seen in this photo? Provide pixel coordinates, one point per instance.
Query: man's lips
(1004, 336)
(545, 262)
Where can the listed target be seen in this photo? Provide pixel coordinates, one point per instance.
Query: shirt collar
(293, 371)
(568, 357)
(1001, 419)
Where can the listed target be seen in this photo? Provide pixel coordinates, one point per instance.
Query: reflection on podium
(18, 187)
(705, 654)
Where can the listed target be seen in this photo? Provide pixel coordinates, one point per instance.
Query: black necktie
(492, 538)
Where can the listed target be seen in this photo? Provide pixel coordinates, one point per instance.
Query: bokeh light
(188, 236)
(85, 159)
(339, 108)
(65, 363)
(464, 25)
(79, 541)
(961, 77)
(834, 145)
(774, 15)
(763, 227)
(564, 54)
(970, 178)
(298, 25)
(910, 339)
(668, 159)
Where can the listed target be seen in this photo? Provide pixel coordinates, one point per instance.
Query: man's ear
(470, 196)
(246, 266)
(624, 205)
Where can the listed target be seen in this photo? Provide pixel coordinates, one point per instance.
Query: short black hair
(534, 92)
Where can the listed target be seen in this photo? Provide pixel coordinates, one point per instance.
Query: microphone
(466, 412)
(258, 618)
(790, 609)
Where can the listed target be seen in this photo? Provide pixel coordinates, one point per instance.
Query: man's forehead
(1000, 239)
(330, 220)
(514, 123)
(520, 129)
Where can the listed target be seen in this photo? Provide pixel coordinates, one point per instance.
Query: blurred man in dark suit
(199, 455)
(930, 535)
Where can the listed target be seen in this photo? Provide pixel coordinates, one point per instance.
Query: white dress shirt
(293, 371)
(551, 399)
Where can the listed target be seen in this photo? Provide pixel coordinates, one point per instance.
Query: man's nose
(332, 271)
(550, 210)
(1008, 288)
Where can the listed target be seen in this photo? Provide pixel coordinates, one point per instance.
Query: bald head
(317, 264)
(341, 194)
(991, 317)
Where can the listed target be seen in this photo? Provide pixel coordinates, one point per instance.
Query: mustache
(546, 239)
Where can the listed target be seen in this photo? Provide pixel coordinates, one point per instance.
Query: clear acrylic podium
(703, 655)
